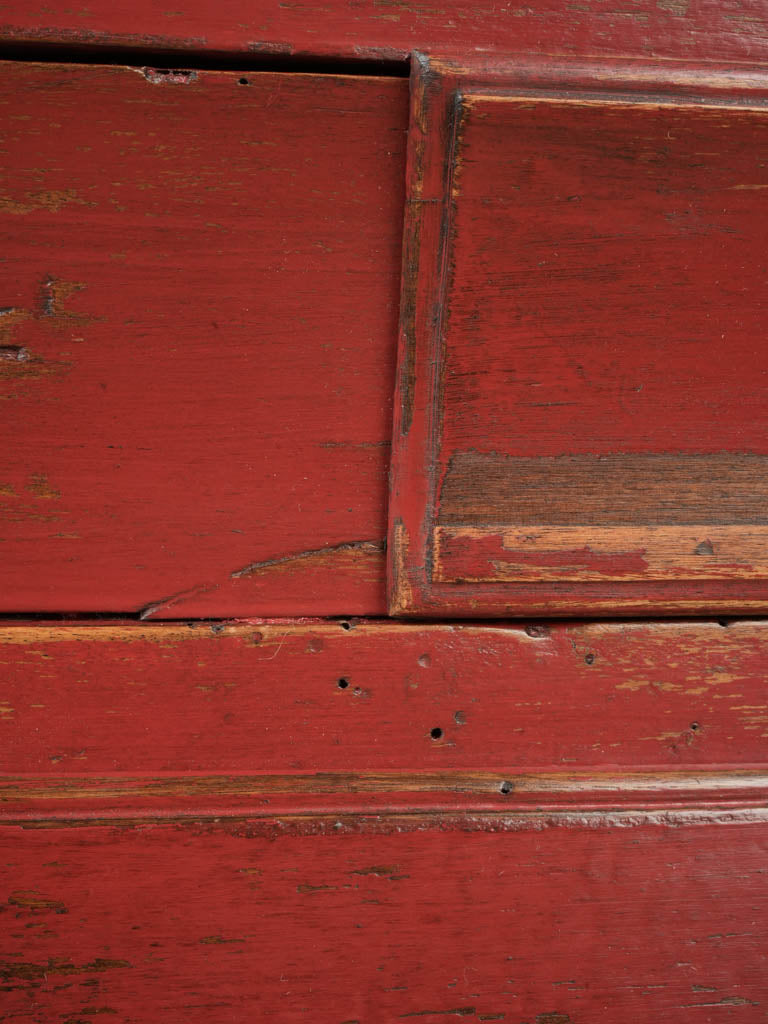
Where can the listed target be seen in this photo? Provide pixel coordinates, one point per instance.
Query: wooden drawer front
(582, 415)
(199, 305)
(378, 821)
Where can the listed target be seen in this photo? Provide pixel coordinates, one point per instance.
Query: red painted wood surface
(288, 820)
(378, 922)
(581, 417)
(318, 698)
(729, 29)
(197, 337)
(199, 821)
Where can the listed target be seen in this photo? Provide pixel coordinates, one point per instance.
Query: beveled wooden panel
(582, 421)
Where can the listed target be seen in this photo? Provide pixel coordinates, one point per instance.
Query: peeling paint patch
(678, 8)
(10, 318)
(53, 294)
(38, 486)
(168, 76)
(51, 200)
(14, 353)
(393, 873)
(32, 900)
(38, 972)
(273, 49)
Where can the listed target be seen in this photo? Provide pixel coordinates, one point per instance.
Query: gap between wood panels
(267, 60)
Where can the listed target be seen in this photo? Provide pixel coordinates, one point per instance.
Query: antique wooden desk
(384, 545)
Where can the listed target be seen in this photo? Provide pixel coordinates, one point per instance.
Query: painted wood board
(380, 920)
(307, 699)
(256, 820)
(581, 415)
(199, 297)
(377, 30)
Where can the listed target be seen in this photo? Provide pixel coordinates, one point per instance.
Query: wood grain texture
(359, 921)
(261, 820)
(583, 285)
(730, 29)
(609, 490)
(309, 699)
(198, 301)
(520, 800)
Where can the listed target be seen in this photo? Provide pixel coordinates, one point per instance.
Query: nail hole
(343, 683)
(243, 81)
(695, 726)
(436, 733)
(590, 658)
(506, 787)
(346, 625)
(424, 661)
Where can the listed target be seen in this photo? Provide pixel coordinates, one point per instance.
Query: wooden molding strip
(381, 793)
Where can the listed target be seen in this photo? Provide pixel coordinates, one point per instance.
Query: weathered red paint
(256, 819)
(374, 29)
(311, 698)
(362, 922)
(348, 822)
(582, 281)
(198, 316)
(597, 553)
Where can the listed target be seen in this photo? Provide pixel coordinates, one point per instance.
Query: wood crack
(311, 555)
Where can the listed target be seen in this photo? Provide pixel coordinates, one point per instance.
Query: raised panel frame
(429, 571)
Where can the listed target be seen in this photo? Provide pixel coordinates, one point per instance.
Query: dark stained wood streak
(481, 488)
